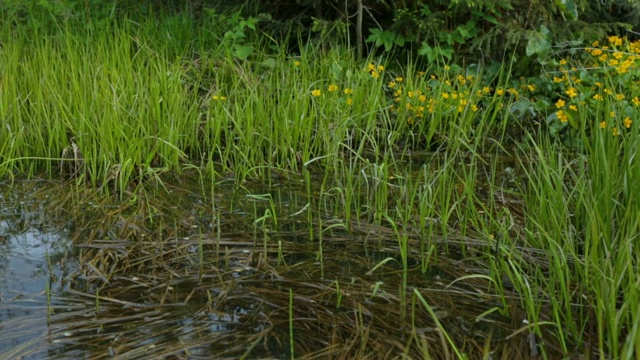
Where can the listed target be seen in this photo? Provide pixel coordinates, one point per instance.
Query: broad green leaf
(428, 51)
(269, 63)
(568, 8)
(242, 51)
(538, 43)
(523, 109)
(446, 52)
(375, 35)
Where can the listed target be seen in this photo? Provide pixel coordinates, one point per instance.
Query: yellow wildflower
(615, 40)
(348, 91)
(332, 87)
(316, 93)
(560, 104)
(349, 101)
(636, 101)
(603, 124)
(597, 97)
(562, 116)
(422, 98)
(573, 107)
(615, 132)
(392, 84)
(627, 122)
(624, 67)
(572, 92)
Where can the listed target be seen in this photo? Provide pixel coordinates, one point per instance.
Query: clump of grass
(122, 102)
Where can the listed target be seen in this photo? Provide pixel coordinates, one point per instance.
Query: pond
(251, 272)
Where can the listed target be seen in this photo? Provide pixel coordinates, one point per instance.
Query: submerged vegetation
(246, 200)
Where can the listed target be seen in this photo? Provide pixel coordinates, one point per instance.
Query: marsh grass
(337, 201)
(149, 275)
(89, 87)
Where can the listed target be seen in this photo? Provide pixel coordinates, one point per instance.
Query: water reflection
(29, 259)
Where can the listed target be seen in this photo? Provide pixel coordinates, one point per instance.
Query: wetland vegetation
(216, 190)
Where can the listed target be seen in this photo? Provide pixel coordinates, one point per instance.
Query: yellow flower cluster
(413, 101)
(562, 116)
(619, 54)
(333, 88)
(626, 122)
(375, 71)
(612, 59)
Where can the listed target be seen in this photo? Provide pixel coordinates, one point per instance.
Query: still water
(261, 272)
(31, 261)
